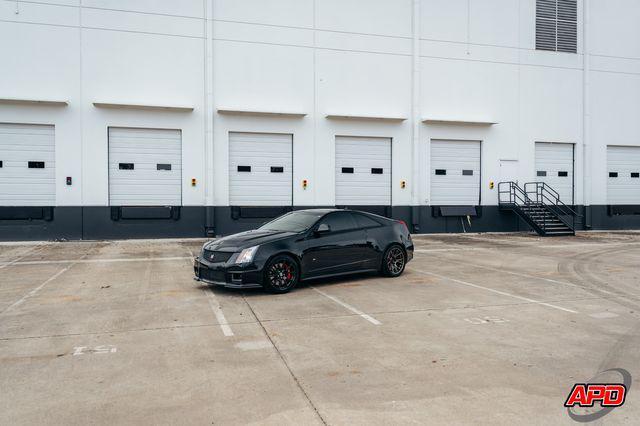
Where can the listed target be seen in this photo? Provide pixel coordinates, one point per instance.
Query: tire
(281, 274)
(393, 261)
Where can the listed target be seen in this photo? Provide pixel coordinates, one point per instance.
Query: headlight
(246, 255)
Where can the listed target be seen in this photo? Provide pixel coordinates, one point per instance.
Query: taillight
(405, 224)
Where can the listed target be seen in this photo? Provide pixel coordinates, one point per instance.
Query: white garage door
(27, 165)
(554, 166)
(623, 175)
(260, 169)
(455, 173)
(363, 171)
(145, 167)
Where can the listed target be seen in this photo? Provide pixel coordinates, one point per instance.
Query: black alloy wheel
(393, 261)
(281, 274)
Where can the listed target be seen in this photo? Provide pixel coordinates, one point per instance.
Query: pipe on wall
(208, 138)
(586, 118)
(415, 116)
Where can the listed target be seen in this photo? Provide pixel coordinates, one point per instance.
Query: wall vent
(557, 25)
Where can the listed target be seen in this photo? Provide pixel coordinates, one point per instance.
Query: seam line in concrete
(284, 361)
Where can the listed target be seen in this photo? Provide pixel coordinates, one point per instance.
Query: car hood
(237, 242)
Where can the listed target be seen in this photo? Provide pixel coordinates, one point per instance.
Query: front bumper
(227, 275)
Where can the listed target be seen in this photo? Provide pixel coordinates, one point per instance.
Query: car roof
(324, 211)
(317, 211)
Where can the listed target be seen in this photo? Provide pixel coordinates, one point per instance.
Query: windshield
(293, 222)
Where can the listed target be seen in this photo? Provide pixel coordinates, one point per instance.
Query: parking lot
(480, 328)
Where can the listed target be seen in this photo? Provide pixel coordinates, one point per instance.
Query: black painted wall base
(95, 223)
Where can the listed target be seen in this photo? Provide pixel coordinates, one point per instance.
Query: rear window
(339, 221)
(364, 221)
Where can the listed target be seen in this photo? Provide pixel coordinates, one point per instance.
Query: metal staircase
(540, 207)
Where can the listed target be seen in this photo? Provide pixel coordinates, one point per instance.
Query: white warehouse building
(135, 118)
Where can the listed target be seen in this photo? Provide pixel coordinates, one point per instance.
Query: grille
(557, 25)
(216, 256)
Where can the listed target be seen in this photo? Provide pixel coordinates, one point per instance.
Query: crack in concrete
(286, 364)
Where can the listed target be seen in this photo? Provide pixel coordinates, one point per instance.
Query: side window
(364, 221)
(339, 221)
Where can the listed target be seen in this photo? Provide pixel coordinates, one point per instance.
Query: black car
(306, 244)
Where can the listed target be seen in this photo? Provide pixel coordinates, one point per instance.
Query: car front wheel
(281, 274)
(393, 261)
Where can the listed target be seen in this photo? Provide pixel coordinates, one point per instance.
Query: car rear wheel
(393, 261)
(281, 274)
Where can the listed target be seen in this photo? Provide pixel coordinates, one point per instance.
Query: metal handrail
(541, 190)
(515, 193)
(518, 198)
(543, 196)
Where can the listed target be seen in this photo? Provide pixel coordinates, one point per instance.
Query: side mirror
(323, 228)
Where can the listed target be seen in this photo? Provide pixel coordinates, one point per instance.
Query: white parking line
(22, 256)
(449, 249)
(493, 290)
(217, 311)
(132, 259)
(520, 274)
(36, 290)
(520, 240)
(356, 311)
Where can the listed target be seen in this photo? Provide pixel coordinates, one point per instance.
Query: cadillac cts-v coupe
(306, 244)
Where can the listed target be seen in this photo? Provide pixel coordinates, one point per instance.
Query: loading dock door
(363, 171)
(455, 173)
(554, 166)
(623, 175)
(260, 169)
(145, 167)
(27, 165)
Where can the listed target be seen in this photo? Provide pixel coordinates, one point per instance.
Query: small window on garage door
(27, 165)
(260, 169)
(455, 172)
(145, 167)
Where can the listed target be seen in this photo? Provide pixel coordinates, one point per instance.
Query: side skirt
(340, 274)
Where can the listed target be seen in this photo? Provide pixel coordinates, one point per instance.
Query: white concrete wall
(354, 57)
